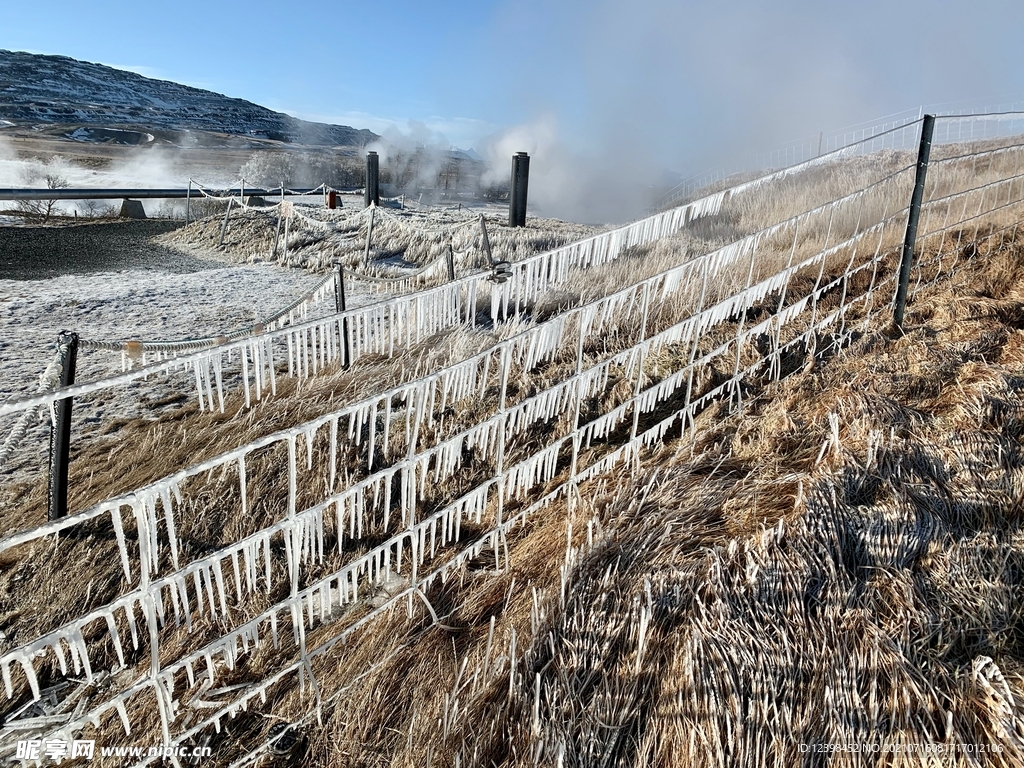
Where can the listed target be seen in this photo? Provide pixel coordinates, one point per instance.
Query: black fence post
(339, 304)
(485, 241)
(518, 189)
(60, 432)
(451, 263)
(372, 194)
(923, 153)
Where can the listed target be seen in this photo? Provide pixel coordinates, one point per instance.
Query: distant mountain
(47, 90)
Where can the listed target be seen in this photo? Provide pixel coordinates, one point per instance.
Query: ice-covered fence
(492, 538)
(897, 131)
(851, 275)
(531, 348)
(400, 321)
(383, 327)
(968, 188)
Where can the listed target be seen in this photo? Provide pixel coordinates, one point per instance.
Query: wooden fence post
(339, 305)
(369, 234)
(224, 226)
(60, 432)
(923, 153)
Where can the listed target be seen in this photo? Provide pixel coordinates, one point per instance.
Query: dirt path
(37, 253)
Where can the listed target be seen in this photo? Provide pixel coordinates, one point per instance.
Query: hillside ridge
(48, 89)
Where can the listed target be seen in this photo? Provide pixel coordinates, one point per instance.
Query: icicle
(242, 485)
(257, 367)
(266, 561)
(309, 434)
(172, 538)
(333, 469)
(80, 653)
(199, 386)
(140, 507)
(181, 589)
(115, 517)
(238, 575)
(123, 714)
(115, 639)
(206, 377)
(197, 579)
(129, 612)
(58, 651)
(373, 435)
(249, 562)
(6, 672)
(292, 479)
(268, 359)
(217, 363)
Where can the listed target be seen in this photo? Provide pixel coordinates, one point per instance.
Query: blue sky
(660, 84)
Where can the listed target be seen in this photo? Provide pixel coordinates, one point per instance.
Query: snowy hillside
(36, 89)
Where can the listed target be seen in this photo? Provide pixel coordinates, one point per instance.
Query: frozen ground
(193, 288)
(131, 304)
(150, 304)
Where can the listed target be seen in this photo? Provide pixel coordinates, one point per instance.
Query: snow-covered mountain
(48, 90)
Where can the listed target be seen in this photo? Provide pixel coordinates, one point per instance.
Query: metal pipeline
(146, 194)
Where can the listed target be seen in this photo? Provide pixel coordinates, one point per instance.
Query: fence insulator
(500, 272)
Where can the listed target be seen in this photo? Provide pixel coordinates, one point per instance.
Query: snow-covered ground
(131, 304)
(219, 297)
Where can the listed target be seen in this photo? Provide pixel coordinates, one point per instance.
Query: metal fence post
(451, 262)
(339, 305)
(60, 432)
(517, 191)
(927, 128)
(188, 202)
(485, 241)
(372, 194)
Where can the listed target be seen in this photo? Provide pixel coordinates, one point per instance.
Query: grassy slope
(814, 578)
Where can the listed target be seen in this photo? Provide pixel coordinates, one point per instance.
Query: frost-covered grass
(412, 237)
(607, 624)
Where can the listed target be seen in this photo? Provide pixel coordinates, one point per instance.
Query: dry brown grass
(800, 589)
(892, 470)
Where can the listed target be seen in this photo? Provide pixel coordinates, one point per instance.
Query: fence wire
(703, 331)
